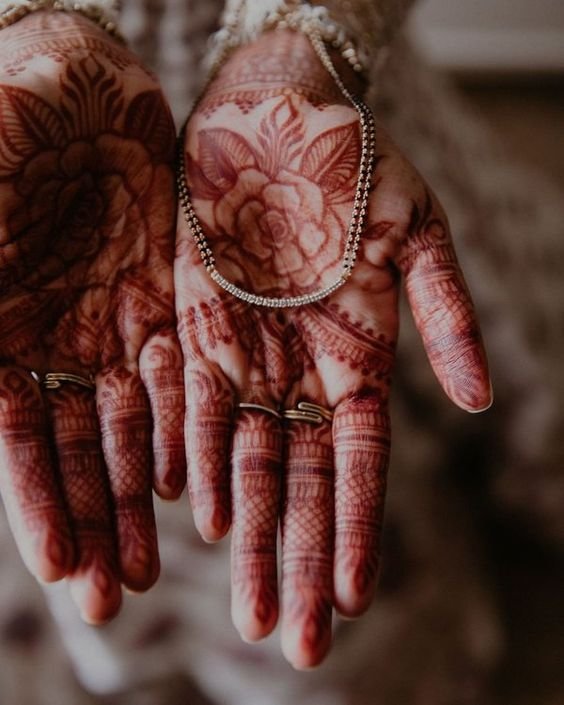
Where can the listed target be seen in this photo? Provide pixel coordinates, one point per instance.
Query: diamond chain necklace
(359, 210)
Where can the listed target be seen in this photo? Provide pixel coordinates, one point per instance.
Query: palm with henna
(272, 155)
(87, 211)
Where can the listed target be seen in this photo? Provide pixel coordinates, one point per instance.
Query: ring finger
(94, 582)
(255, 480)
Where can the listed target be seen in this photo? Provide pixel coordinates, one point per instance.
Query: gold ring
(259, 407)
(310, 413)
(55, 380)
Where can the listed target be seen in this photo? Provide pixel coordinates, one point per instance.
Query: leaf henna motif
(223, 154)
(277, 202)
(28, 124)
(281, 137)
(92, 99)
(200, 185)
(332, 159)
(148, 120)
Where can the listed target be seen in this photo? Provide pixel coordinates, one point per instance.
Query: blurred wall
(496, 35)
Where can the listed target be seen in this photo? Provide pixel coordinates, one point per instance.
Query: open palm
(272, 157)
(87, 210)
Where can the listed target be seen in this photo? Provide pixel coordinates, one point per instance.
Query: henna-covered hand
(272, 157)
(87, 210)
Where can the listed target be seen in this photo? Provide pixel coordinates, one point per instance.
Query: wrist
(104, 13)
(285, 57)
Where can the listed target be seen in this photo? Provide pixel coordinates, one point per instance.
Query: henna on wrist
(278, 62)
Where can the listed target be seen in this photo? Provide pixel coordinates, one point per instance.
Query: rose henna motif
(86, 247)
(275, 203)
(272, 163)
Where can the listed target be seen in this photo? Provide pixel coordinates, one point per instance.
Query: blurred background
(471, 605)
(507, 58)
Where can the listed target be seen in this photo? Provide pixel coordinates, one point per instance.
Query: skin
(87, 212)
(272, 154)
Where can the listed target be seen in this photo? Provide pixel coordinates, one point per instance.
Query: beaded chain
(102, 12)
(360, 205)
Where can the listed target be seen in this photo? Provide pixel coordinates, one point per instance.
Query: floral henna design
(87, 210)
(276, 204)
(80, 175)
(272, 179)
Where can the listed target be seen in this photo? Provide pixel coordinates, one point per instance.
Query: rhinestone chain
(359, 210)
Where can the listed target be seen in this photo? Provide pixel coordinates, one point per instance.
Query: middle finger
(307, 543)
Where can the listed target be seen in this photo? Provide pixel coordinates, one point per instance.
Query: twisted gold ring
(305, 411)
(55, 380)
(309, 413)
(259, 407)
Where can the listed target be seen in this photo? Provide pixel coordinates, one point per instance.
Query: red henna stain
(307, 537)
(73, 180)
(126, 438)
(450, 330)
(259, 72)
(209, 416)
(256, 470)
(277, 209)
(264, 192)
(29, 486)
(362, 444)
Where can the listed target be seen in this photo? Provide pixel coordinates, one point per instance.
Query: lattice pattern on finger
(165, 388)
(28, 480)
(256, 470)
(79, 451)
(208, 425)
(307, 536)
(308, 488)
(125, 423)
(361, 433)
(84, 480)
